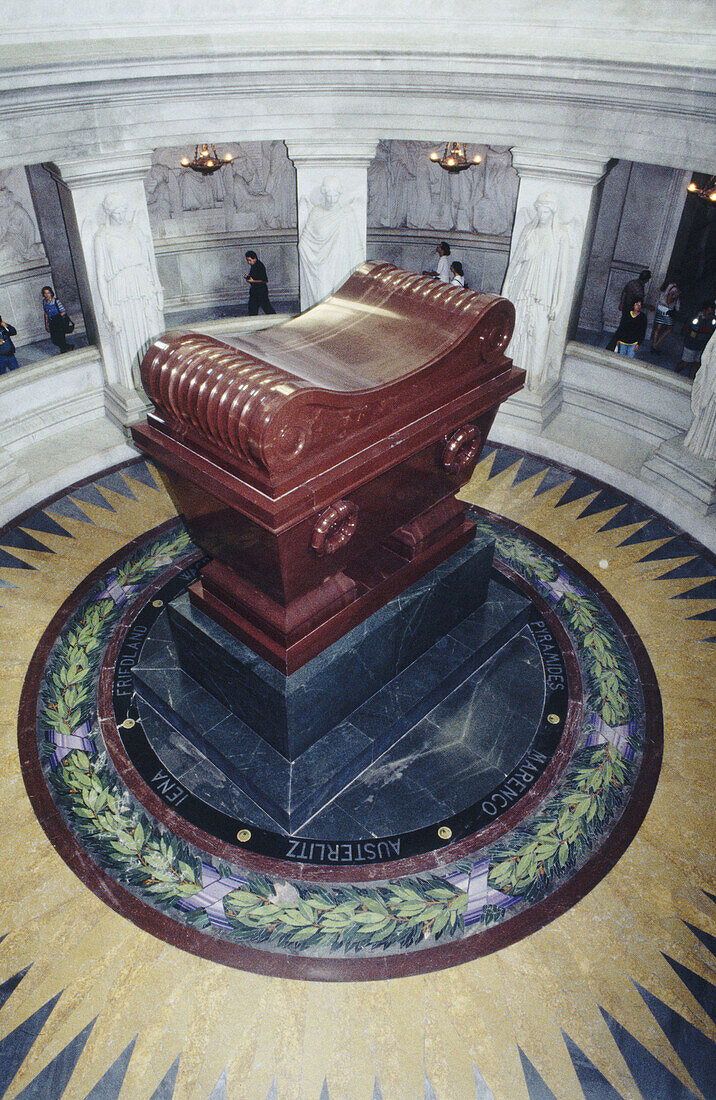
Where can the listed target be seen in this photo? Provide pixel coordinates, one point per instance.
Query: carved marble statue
(281, 186)
(330, 244)
(402, 164)
(197, 192)
(701, 436)
(420, 194)
(379, 186)
(129, 289)
(494, 195)
(256, 190)
(536, 283)
(164, 200)
(441, 216)
(462, 190)
(406, 188)
(246, 203)
(18, 236)
(420, 190)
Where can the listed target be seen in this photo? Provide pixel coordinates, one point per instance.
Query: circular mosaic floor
(612, 996)
(521, 811)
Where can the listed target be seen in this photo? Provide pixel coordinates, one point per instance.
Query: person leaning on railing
(442, 268)
(632, 329)
(697, 334)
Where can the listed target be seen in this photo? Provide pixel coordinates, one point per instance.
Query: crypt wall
(24, 265)
(201, 227)
(562, 103)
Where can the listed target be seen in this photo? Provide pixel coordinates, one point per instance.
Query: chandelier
(455, 158)
(205, 160)
(708, 191)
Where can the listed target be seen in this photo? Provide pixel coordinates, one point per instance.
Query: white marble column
(332, 189)
(105, 209)
(551, 237)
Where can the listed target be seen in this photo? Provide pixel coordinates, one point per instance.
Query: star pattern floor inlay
(612, 998)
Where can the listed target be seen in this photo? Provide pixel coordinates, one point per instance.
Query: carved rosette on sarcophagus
(317, 461)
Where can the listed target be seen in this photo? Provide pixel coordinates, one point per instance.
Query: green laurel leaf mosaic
(408, 913)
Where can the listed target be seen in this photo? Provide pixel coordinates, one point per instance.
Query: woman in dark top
(258, 286)
(8, 361)
(55, 317)
(632, 330)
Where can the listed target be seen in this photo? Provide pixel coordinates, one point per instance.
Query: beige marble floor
(439, 1025)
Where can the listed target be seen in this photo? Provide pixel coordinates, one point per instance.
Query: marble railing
(50, 396)
(647, 402)
(53, 428)
(54, 424)
(614, 418)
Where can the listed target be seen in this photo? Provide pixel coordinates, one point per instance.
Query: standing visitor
(8, 361)
(697, 334)
(442, 268)
(257, 279)
(55, 319)
(635, 288)
(664, 319)
(632, 330)
(443, 264)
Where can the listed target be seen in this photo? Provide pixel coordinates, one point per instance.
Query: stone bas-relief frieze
(19, 236)
(256, 191)
(24, 268)
(537, 284)
(247, 205)
(129, 289)
(164, 196)
(330, 244)
(406, 188)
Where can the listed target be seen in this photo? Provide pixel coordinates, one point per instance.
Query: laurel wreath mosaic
(405, 913)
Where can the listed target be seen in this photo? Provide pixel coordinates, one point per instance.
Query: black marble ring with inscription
(524, 764)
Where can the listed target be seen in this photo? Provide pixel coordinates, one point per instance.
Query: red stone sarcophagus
(317, 461)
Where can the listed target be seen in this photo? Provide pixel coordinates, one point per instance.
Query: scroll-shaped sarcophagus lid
(387, 357)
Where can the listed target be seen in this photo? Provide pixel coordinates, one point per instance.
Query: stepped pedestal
(292, 743)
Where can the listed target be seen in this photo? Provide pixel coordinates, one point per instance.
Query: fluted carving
(265, 416)
(206, 389)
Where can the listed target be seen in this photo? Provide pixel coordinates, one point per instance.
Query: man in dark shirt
(8, 361)
(257, 279)
(635, 288)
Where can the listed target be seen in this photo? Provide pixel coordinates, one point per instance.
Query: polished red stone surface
(317, 458)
